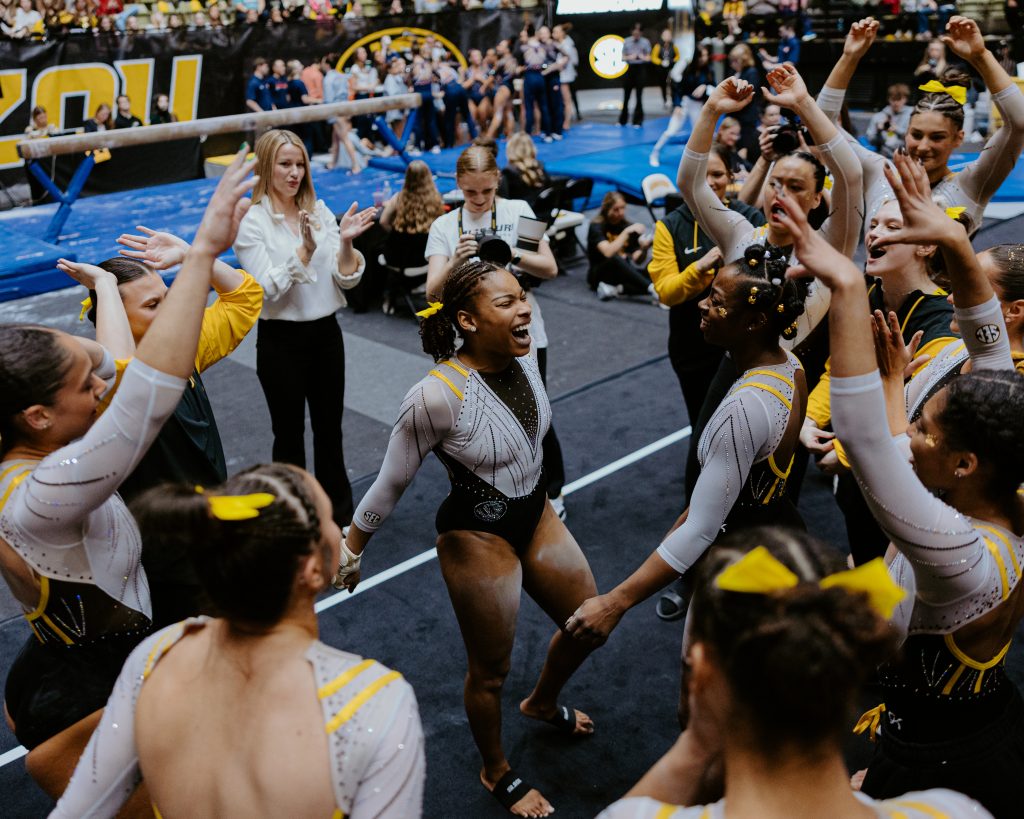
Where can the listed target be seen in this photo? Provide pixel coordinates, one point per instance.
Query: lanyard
(494, 217)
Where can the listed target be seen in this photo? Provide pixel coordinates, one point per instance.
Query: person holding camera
(888, 128)
(487, 227)
(617, 250)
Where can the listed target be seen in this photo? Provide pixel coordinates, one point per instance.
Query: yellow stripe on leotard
(15, 481)
(343, 679)
(927, 810)
(461, 371)
(358, 701)
(773, 374)
(665, 811)
(446, 380)
(766, 388)
(969, 662)
(1006, 542)
(161, 645)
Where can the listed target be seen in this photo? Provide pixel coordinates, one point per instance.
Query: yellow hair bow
(760, 572)
(236, 507)
(86, 307)
(957, 92)
(435, 307)
(954, 213)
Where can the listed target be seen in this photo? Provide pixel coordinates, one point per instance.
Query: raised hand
(227, 206)
(87, 275)
(731, 95)
(896, 360)
(157, 249)
(355, 223)
(963, 38)
(859, 40)
(924, 222)
(817, 257)
(788, 87)
(306, 234)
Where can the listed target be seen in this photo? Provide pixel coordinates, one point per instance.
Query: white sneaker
(414, 152)
(655, 160)
(556, 137)
(606, 291)
(436, 149)
(558, 504)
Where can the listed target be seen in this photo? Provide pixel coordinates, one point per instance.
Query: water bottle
(387, 190)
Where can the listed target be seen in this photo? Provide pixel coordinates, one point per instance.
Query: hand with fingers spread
(354, 224)
(731, 95)
(861, 37)
(964, 38)
(896, 360)
(88, 275)
(159, 250)
(924, 222)
(788, 89)
(226, 207)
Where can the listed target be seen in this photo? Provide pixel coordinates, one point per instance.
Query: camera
(787, 138)
(491, 247)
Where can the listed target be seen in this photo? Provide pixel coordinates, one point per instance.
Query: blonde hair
(476, 159)
(522, 155)
(742, 52)
(418, 203)
(266, 149)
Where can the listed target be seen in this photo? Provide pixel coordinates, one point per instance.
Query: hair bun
(955, 75)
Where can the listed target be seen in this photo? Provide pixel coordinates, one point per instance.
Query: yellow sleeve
(819, 402)
(227, 321)
(674, 286)
(119, 364)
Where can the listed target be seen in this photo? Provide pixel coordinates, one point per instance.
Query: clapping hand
(355, 223)
(731, 95)
(159, 250)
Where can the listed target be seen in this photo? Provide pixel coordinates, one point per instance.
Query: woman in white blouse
(291, 243)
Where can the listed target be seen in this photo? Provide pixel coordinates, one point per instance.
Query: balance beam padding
(29, 266)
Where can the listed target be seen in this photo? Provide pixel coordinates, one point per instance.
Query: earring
(958, 474)
(722, 312)
(781, 308)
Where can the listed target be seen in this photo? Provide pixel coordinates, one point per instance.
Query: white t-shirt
(444, 236)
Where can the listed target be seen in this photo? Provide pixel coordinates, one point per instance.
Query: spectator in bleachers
(125, 118)
(26, 21)
(617, 252)
(926, 9)
(162, 113)
(888, 127)
(524, 176)
(789, 48)
(258, 96)
(933, 63)
(215, 17)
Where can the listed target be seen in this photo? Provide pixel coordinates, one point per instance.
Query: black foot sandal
(564, 719)
(510, 789)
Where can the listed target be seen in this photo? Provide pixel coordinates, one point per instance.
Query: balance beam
(32, 150)
(233, 123)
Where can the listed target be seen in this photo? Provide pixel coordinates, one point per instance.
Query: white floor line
(575, 486)
(430, 554)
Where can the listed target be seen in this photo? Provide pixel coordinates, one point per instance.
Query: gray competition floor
(614, 396)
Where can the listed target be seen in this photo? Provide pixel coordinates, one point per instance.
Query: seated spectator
(354, 747)
(26, 21)
(100, 120)
(162, 113)
(932, 64)
(125, 118)
(524, 176)
(617, 251)
(215, 17)
(888, 127)
(40, 126)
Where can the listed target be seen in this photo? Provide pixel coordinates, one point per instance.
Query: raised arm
(858, 41)
(727, 228)
(428, 413)
(112, 328)
(351, 264)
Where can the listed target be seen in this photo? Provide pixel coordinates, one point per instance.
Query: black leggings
(619, 271)
(300, 363)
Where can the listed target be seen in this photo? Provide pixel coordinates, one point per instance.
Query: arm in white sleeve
(75, 480)
(108, 770)
(949, 558)
(250, 249)
(737, 432)
(983, 330)
(843, 226)
(392, 784)
(981, 179)
(426, 416)
(830, 101)
(729, 230)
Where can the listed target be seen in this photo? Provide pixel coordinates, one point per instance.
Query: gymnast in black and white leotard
(936, 125)
(484, 414)
(69, 549)
(746, 449)
(951, 716)
(799, 176)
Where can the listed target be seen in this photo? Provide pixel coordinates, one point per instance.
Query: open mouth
(775, 211)
(876, 252)
(522, 333)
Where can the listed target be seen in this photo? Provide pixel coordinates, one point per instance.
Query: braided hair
(803, 650)
(779, 298)
(246, 567)
(984, 414)
(439, 330)
(942, 103)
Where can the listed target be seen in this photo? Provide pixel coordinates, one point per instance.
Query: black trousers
(300, 363)
(554, 466)
(633, 81)
(619, 271)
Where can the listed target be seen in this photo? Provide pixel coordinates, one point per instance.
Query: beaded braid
(438, 331)
(779, 298)
(273, 478)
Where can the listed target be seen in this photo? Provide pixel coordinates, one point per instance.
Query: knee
(488, 677)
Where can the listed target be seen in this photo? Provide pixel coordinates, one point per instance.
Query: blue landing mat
(97, 221)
